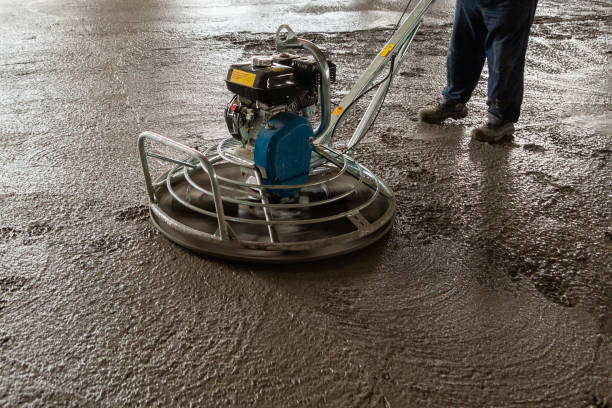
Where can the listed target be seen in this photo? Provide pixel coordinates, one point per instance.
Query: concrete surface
(493, 289)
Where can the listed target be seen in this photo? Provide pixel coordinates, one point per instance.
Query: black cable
(388, 76)
(401, 17)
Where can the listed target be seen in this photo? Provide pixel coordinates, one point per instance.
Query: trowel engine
(274, 99)
(278, 190)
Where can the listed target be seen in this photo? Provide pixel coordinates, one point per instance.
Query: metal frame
(225, 240)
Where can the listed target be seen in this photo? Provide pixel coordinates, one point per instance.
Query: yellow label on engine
(385, 51)
(242, 77)
(338, 111)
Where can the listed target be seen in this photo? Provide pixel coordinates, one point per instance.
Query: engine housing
(283, 150)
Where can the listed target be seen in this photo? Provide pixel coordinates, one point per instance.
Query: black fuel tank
(272, 85)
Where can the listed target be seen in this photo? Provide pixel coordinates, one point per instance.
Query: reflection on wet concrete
(493, 288)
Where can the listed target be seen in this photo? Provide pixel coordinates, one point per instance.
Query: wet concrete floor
(493, 289)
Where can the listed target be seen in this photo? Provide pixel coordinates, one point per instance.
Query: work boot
(448, 108)
(494, 131)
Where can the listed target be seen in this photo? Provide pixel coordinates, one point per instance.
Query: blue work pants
(497, 30)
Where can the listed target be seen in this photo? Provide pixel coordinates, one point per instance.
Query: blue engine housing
(283, 152)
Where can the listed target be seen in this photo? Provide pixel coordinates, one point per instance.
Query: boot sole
(455, 116)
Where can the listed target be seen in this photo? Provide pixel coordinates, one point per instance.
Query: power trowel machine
(277, 190)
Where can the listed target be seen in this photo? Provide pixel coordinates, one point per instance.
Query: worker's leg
(466, 53)
(508, 23)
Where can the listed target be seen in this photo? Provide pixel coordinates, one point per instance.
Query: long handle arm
(397, 46)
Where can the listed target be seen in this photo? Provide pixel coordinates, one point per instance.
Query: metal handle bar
(194, 154)
(291, 41)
